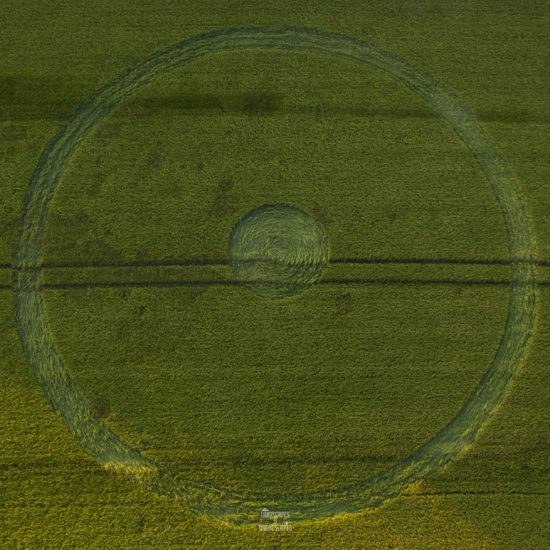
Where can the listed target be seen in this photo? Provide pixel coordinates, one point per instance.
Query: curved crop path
(109, 449)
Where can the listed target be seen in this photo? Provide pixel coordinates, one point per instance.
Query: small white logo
(273, 515)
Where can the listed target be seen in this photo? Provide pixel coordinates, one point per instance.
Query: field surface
(310, 394)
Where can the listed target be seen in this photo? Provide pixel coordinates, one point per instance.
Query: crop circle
(113, 452)
(278, 250)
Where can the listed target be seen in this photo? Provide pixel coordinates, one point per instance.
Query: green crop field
(284, 255)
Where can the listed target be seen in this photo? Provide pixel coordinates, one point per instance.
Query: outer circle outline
(111, 451)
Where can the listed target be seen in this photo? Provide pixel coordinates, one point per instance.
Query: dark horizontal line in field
(440, 261)
(115, 503)
(328, 281)
(219, 105)
(231, 282)
(221, 262)
(370, 281)
(477, 493)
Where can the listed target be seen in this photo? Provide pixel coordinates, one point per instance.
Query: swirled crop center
(278, 250)
(109, 449)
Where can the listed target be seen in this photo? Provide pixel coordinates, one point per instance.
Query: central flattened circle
(278, 250)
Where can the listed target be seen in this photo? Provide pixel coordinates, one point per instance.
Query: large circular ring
(113, 452)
